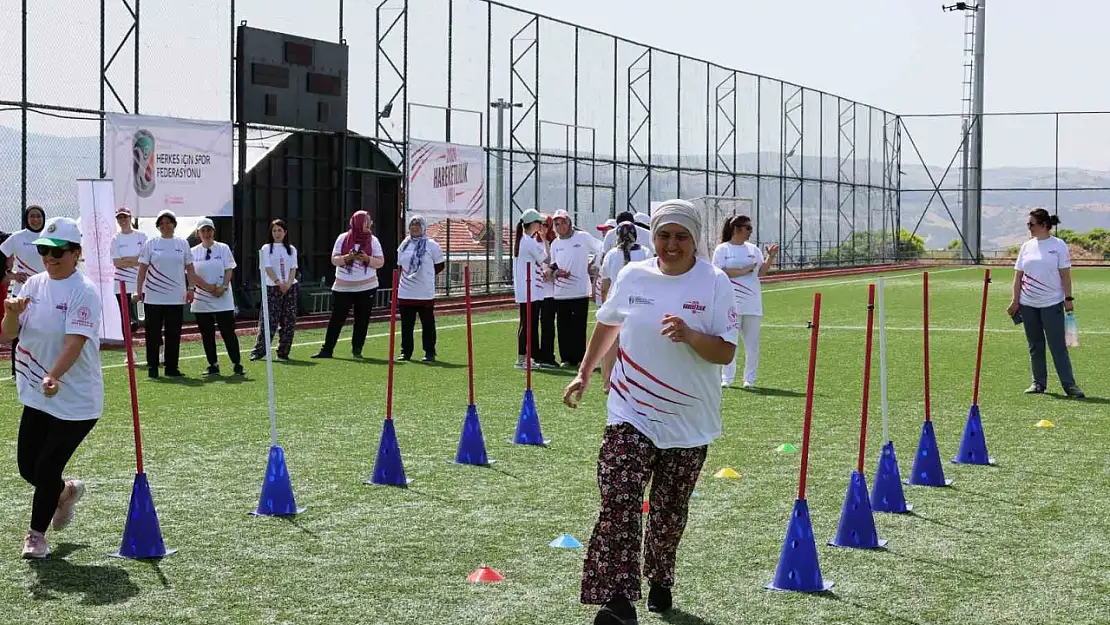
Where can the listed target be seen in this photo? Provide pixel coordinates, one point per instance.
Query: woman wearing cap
(357, 256)
(420, 259)
(1042, 292)
(23, 257)
(570, 266)
(163, 285)
(545, 236)
(677, 325)
(213, 301)
(528, 251)
(126, 246)
(56, 317)
(744, 264)
(279, 258)
(627, 251)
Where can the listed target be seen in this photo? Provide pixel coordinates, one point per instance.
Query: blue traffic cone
(389, 470)
(886, 492)
(798, 570)
(973, 446)
(926, 464)
(472, 446)
(565, 541)
(528, 426)
(857, 524)
(277, 491)
(142, 537)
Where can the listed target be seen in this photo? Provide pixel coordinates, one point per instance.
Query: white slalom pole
(882, 361)
(269, 357)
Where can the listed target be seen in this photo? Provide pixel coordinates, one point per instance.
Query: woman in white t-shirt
(420, 259)
(545, 236)
(164, 286)
(1042, 294)
(529, 253)
(56, 317)
(279, 258)
(677, 325)
(571, 267)
(357, 255)
(744, 264)
(213, 301)
(126, 245)
(627, 250)
(23, 257)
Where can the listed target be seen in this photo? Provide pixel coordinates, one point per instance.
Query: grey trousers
(1043, 324)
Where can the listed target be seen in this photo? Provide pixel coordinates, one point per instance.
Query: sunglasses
(53, 252)
(208, 254)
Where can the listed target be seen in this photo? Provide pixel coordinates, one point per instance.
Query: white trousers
(749, 333)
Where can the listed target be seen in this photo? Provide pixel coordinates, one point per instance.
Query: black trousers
(522, 331)
(427, 325)
(225, 320)
(46, 444)
(132, 311)
(363, 304)
(547, 331)
(159, 318)
(571, 318)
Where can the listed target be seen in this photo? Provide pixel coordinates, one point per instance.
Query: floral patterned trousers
(283, 321)
(627, 460)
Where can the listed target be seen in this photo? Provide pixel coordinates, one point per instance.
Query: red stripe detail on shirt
(624, 373)
(741, 286)
(625, 388)
(22, 350)
(623, 355)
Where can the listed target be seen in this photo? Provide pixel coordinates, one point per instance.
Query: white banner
(97, 204)
(446, 181)
(163, 163)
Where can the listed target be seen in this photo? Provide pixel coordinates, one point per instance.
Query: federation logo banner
(160, 163)
(97, 202)
(446, 181)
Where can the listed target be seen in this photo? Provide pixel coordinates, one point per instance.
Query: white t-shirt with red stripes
(25, 255)
(531, 252)
(746, 289)
(127, 246)
(664, 389)
(165, 259)
(1041, 262)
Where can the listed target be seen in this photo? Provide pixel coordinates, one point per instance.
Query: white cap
(561, 214)
(641, 218)
(58, 232)
(166, 213)
(608, 225)
(531, 216)
(205, 223)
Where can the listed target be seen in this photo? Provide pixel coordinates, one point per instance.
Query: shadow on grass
(887, 617)
(292, 520)
(558, 373)
(680, 617)
(295, 363)
(1085, 400)
(768, 392)
(100, 585)
(182, 381)
(915, 515)
(156, 566)
(938, 564)
(439, 364)
(978, 495)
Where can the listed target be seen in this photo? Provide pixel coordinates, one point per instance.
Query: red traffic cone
(485, 575)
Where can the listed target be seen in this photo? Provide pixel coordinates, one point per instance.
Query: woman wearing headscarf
(546, 235)
(213, 301)
(676, 321)
(528, 252)
(570, 265)
(23, 257)
(1042, 293)
(164, 285)
(279, 257)
(744, 264)
(357, 255)
(420, 259)
(58, 376)
(626, 251)
(126, 246)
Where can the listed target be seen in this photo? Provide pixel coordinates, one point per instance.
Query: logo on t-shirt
(640, 300)
(82, 317)
(733, 319)
(694, 306)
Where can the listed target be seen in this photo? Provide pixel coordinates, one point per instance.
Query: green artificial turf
(1023, 542)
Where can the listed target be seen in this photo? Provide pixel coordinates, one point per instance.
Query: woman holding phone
(357, 255)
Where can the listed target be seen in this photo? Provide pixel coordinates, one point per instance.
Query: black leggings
(427, 326)
(521, 332)
(207, 323)
(547, 331)
(45, 446)
(342, 303)
(169, 317)
(132, 311)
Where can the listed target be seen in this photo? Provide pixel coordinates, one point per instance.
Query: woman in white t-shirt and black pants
(164, 285)
(357, 256)
(279, 258)
(744, 265)
(570, 266)
(627, 251)
(1042, 294)
(57, 319)
(677, 325)
(126, 246)
(213, 301)
(420, 259)
(23, 257)
(528, 252)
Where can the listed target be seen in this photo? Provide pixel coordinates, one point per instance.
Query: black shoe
(1035, 389)
(428, 358)
(1074, 391)
(659, 598)
(152, 372)
(213, 370)
(239, 370)
(619, 611)
(255, 357)
(174, 373)
(357, 353)
(321, 354)
(283, 357)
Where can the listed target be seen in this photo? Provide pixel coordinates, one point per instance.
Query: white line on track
(910, 329)
(810, 283)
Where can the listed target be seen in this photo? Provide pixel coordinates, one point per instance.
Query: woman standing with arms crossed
(529, 251)
(58, 377)
(163, 285)
(677, 325)
(357, 256)
(1042, 292)
(126, 246)
(280, 260)
(213, 301)
(421, 259)
(627, 251)
(744, 265)
(23, 260)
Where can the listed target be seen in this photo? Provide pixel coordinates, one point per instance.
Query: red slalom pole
(392, 344)
(528, 330)
(469, 334)
(809, 393)
(925, 308)
(125, 312)
(866, 375)
(982, 331)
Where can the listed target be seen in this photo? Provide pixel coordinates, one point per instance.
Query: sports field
(1027, 541)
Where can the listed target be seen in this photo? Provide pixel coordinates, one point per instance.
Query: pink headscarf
(358, 235)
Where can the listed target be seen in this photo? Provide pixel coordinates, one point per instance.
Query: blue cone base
(565, 541)
(927, 469)
(142, 536)
(528, 426)
(798, 570)
(973, 445)
(277, 491)
(886, 492)
(389, 470)
(472, 446)
(857, 523)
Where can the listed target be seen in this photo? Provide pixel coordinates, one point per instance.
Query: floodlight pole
(499, 193)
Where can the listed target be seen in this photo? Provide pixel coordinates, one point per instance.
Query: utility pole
(499, 193)
(971, 170)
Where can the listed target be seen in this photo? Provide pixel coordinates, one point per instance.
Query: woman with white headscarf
(420, 259)
(677, 325)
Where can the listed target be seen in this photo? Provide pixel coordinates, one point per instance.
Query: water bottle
(140, 311)
(1071, 330)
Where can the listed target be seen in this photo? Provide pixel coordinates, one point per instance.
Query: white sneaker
(67, 505)
(519, 362)
(726, 383)
(35, 547)
(749, 384)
